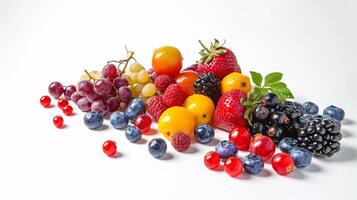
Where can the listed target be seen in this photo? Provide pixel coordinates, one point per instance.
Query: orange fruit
(201, 107)
(234, 81)
(167, 60)
(175, 119)
(185, 80)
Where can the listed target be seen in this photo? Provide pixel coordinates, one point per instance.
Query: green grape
(135, 67)
(128, 78)
(143, 76)
(138, 87)
(149, 90)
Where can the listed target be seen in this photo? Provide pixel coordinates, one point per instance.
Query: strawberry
(218, 60)
(229, 112)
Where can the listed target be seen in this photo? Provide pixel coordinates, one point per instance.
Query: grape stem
(130, 55)
(90, 76)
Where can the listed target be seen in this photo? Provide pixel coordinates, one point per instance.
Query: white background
(312, 42)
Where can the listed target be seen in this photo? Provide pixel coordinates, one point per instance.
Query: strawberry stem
(201, 43)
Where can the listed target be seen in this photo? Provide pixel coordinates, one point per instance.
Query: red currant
(110, 148)
(233, 166)
(240, 137)
(212, 160)
(68, 110)
(58, 121)
(45, 101)
(262, 146)
(62, 103)
(143, 122)
(282, 163)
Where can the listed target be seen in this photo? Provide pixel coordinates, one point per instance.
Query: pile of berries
(188, 104)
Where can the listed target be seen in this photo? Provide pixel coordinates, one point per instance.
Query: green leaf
(272, 78)
(283, 93)
(257, 78)
(277, 84)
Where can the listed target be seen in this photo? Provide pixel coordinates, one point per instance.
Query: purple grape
(75, 97)
(109, 71)
(55, 89)
(85, 88)
(113, 104)
(103, 86)
(68, 91)
(84, 105)
(119, 82)
(99, 106)
(92, 97)
(124, 94)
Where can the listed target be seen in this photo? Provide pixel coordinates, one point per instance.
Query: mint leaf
(283, 93)
(272, 78)
(277, 84)
(257, 78)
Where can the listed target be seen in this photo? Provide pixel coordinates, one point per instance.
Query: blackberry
(209, 85)
(320, 136)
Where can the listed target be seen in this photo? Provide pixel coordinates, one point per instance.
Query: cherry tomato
(167, 60)
(185, 80)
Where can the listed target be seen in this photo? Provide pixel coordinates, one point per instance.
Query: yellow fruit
(201, 107)
(135, 67)
(176, 119)
(235, 81)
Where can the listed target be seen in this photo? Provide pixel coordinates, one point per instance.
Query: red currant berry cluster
(261, 148)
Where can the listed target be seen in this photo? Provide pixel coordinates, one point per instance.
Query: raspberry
(163, 81)
(156, 106)
(173, 96)
(181, 142)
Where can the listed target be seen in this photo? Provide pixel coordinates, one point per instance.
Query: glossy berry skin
(302, 157)
(157, 147)
(55, 89)
(135, 108)
(110, 148)
(212, 160)
(69, 91)
(110, 71)
(67, 110)
(282, 163)
(62, 103)
(167, 60)
(133, 134)
(93, 120)
(233, 166)
(253, 164)
(335, 112)
(261, 112)
(311, 108)
(185, 80)
(279, 118)
(58, 121)
(226, 149)
(45, 101)
(204, 133)
(240, 137)
(288, 144)
(143, 122)
(119, 120)
(262, 146)
(270, 100)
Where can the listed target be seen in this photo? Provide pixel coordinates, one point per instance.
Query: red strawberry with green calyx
(229, 111)
(218, 60)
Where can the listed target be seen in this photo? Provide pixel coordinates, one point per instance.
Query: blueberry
(311, 108)
(93, 120)
(226, 149)
(270, 100)
(204, 133)
(335, 112)
(157, 147)
(279, 118)
(253, 164)
(300, 107)
(119, 120)
(132, 133)
(301, 157)
(261, 112)
(135, 108)
(257, 128)
(288, 144)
